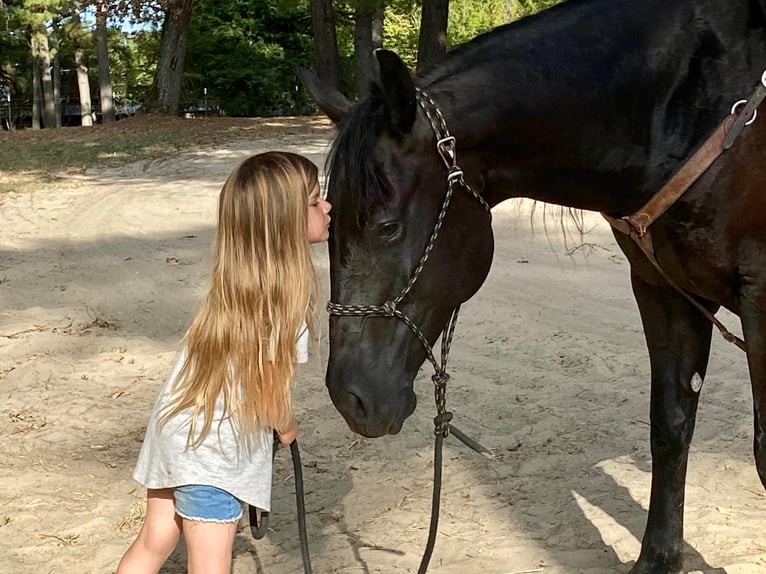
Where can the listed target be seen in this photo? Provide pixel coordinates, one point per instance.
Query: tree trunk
(44, 62)
(37, 92)
(57, 87)
(326, 60)
(432, 44)
(166, 90)
(83, 85)
(83, 81)
(104, 75)
(368, 37)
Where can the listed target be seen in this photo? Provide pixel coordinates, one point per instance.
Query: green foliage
(19, 20)
(522, 8)
(245, 53)
(401, 30)
(467, 19)
(344, 30)
(14, 55)
(132, 60)
(35, 14)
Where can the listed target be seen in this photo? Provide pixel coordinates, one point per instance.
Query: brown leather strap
(721, 139)
(747, 114)
(637, 224)
(644, 241)
(683, 179)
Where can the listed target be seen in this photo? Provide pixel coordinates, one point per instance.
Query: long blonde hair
(241, 344)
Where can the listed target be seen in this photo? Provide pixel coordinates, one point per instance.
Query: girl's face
(318, 217)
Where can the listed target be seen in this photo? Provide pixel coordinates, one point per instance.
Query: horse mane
(352, 156)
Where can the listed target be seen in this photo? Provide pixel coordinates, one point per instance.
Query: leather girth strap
(637, 224)
(644, 241)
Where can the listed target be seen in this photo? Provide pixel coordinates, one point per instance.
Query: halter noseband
(446, 148)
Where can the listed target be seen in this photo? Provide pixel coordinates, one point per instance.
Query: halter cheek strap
(447, 150)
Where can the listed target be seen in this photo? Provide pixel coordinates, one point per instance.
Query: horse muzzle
(371, 409)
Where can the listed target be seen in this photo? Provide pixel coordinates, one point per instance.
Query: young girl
(208, 443)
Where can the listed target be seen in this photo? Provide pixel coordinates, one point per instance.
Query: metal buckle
(744, 102)
(446, 149)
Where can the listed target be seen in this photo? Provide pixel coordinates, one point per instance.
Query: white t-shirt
(220, 461)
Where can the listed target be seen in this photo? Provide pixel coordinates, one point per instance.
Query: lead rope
(441, 430)
(446, 147)
(300, 506)
(259, 525)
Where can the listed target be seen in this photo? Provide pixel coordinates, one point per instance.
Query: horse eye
(388, 231)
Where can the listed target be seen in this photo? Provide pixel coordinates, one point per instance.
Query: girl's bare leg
(209, 546)
(157, 538)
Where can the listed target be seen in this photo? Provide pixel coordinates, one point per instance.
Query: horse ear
(329, 100)
(398, 91)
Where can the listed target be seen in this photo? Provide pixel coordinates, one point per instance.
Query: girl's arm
(289, 433)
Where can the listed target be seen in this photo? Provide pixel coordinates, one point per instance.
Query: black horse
(593, 104)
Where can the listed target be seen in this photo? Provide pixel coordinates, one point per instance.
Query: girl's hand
(288, 435)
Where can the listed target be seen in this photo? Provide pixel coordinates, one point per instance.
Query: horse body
(592, 104)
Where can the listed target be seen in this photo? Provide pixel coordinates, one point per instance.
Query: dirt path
(99, 277)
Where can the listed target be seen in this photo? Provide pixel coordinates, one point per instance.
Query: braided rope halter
(446, 148)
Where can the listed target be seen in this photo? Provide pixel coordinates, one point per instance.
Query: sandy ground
(99, 277)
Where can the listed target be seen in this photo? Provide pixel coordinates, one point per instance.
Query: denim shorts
(206, 504)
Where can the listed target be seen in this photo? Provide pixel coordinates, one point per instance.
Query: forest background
(78, 62)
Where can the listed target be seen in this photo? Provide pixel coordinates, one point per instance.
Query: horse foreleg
(754, 330)
(678, 338)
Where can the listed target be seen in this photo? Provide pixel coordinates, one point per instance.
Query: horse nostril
(357, 406)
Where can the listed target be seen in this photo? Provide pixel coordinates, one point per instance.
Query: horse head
(387, 184)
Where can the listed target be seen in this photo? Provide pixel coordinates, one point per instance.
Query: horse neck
(595, 103)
